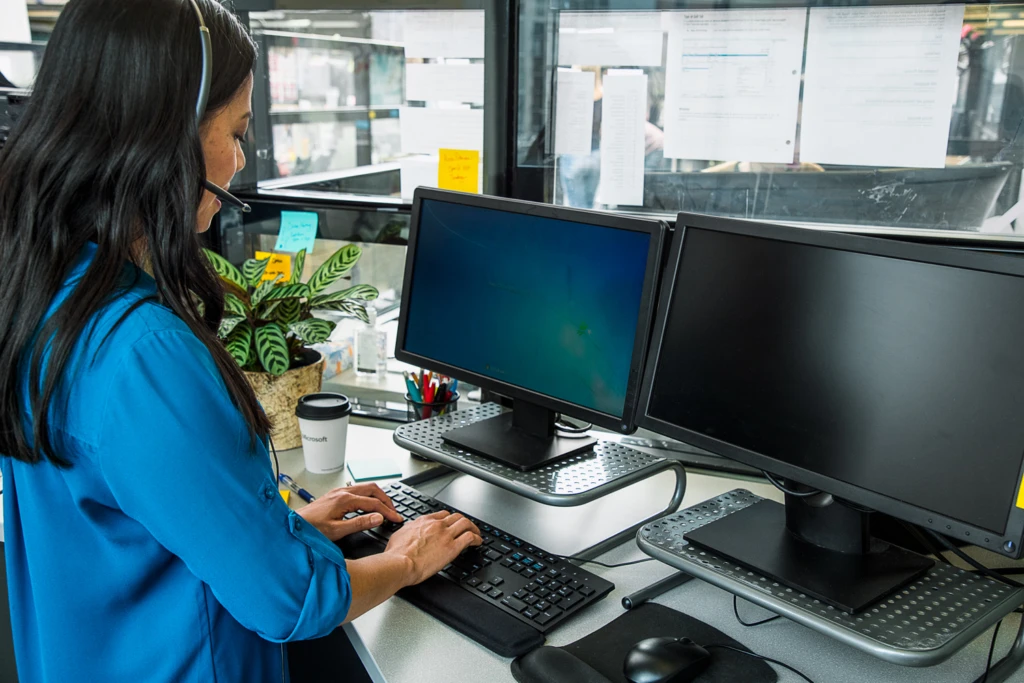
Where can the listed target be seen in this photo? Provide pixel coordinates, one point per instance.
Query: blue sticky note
(298, 231)
(368, 469)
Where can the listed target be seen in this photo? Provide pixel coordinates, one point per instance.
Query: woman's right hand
(432, 541)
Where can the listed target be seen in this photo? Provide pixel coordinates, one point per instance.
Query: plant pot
(280, 395)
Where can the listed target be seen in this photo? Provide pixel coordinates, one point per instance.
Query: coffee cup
(323, 423)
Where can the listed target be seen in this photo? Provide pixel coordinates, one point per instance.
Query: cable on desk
(767, 659)
(736, 611)
(575, 558)
(991, 649)
(780, 486)
(570, 430)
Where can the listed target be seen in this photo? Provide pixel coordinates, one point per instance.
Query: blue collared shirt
(165, 553)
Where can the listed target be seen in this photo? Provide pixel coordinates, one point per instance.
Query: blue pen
(453, 387)
(414, 391)
(295, 488)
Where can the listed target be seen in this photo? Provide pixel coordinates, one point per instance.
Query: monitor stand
(824, 551)
(523, 439)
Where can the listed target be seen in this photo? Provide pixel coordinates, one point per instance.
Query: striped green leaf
(353, 308)
(224, 269)
(297, 266)
(285, 311)
(333, 268)
(272, 349)
(232, 304)
(360, 292)
(227, 324)
(312, 331)
(263, 290)
(287, 292)
(253, 270)
(239, 343)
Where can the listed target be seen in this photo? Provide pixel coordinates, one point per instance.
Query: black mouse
(665, 660)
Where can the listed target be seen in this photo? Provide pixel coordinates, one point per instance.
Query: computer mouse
(665, 660)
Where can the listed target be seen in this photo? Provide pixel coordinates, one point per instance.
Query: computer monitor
(887, 375)
(551, 307)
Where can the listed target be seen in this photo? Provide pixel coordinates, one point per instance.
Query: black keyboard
(528, 583)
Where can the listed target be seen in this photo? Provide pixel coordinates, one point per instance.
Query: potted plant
(268, 326)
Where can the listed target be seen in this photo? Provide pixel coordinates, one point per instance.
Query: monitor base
(757, 537)
(500, 439)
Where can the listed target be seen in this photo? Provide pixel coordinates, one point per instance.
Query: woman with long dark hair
(116, 398)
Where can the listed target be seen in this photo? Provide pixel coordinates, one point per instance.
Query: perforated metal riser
(581, 476)
(926, 617)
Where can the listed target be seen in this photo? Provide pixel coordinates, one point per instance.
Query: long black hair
(109, 151)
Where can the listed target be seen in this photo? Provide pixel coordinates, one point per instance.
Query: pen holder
(419, 410)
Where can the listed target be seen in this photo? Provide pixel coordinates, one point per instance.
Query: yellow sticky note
(1020, 495)
(459, 170)
(280, 264)
(285, 493)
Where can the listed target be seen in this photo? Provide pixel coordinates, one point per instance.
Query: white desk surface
(410, 646)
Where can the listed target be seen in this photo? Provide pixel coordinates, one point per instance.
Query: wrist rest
(454, 607)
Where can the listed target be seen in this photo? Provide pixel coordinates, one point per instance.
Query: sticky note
(1020, 495)
(365, 469)
(280, 264)
(459, 170)
(298, 231)
(285, 493)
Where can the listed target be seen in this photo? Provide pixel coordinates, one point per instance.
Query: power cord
(571, 430)
(991, 649)
(762, 657)
(982, 569)
(736, 611)
(782, 487)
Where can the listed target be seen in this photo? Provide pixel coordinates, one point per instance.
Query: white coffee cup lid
(323, 406)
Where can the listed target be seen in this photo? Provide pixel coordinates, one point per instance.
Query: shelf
(921, 625)
(331, 114)
(573, 481)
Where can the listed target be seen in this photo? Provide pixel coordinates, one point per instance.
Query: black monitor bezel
(924, 253)
(625, 423)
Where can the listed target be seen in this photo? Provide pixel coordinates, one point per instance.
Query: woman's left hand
(327, 513)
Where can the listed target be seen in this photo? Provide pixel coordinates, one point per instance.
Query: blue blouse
(165, 552)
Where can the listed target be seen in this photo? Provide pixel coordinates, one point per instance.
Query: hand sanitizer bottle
(371, 347)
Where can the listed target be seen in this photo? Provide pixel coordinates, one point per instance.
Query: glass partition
(875, 119)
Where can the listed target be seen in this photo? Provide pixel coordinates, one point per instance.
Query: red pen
(428, 392)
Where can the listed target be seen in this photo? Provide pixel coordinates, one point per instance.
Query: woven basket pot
(280, 395)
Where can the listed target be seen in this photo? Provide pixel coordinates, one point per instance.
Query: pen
(414, 392)
(295, 488)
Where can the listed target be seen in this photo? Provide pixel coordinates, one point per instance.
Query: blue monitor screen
(547, 305)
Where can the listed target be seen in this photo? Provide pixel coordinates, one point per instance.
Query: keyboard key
(530, 613)
(517, 556)
(530, 549)
(528, 560)
(551, 559)
(520, 594)
(530, 599)
(473, 582)
(496, 593)
(575, 583)
(555, 611)
(507, 562)
(570, 601)
(543, 592)
(529, 573)
(541, 579)
(497, 580)
(538, 567)
(586, 591)
(515, 541)
(553, 573)
(531, 587)
(554, 598)
(484, 588)
(543, 618)
(564, 591)
(502, 548)
(514, 603)
(487, 542)
(517, 567)
(493, 555)
(541, 605)
(485, 528)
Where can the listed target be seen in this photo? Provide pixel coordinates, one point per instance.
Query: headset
(204, 96)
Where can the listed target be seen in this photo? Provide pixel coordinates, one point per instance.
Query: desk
(409, 645)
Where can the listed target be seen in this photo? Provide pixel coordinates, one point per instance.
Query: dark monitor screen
(803, 353)
(551, 306)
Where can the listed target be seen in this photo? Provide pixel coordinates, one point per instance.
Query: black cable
(767, 659)
(982, 569)
(780, 486)
(923, 540)
(277, 464)
(575, 558)
(991, 649)
(736, 611)
(1002, 570)
(565, 427)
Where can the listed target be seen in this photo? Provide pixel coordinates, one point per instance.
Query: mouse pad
(599, 656)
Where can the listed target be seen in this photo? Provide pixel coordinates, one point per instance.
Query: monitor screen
(901, 377)
(551, 306)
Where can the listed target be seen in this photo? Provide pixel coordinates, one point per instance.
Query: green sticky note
(367, 469)
(298, 231)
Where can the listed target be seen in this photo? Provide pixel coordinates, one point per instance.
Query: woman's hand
(430, 542)
(327, 513)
